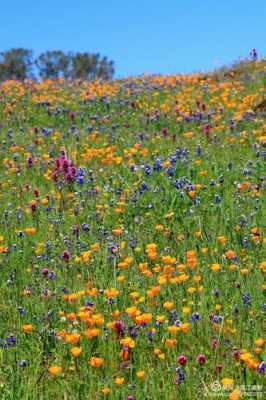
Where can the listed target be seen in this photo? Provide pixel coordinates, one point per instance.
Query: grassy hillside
(133, 237)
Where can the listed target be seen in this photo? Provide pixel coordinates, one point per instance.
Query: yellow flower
(105, 390)
(245, 356)
(173, 329)
(140, 374)
(86, 256)
(259, 342)
(95, 247)
(128, 342)
(168, 305)
(121, 278)
(119, 381)
(160, 318)
(76, 351)
(227, 382)
(216, 267)
(131, 311)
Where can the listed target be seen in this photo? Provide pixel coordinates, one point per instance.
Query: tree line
(19, 64)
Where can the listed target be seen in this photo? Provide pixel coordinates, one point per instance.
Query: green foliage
(53, 64)
(91, 66)
(16, 63)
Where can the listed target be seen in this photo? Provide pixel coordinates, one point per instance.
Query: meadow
(133, 237)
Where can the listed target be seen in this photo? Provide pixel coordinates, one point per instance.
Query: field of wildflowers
(133, 237)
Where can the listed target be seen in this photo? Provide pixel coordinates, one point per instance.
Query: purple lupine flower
(195, 317)
(246, 299)
(262, 367)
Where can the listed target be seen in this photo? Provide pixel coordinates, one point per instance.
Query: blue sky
(167, 36)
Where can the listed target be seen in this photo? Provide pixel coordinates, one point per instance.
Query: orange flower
(170, 343)
(95, 362)
(151, 251)
(185, 327)
(71, 317)
(55, 370)
(192, 194)
(143, 318)
(3, 249)
(76, 351)
(188, 135)
(230, 254)
(119, 381)
(72, 338)
(140, 374)
(117, 232)
(173, 329)
(128, 342)
(222, 239)
(105, 390)
(30, 231)
(95, 247)
(91, 333)
(27, 328)
(153, 291)
(168, 305)
(235, 395)
(259, 342)
(202, 173)
(111, 292)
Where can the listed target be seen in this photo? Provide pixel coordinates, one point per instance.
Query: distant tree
(16, 63)
(91, 66)
(84, 66)
(106, 69)
(53, 64)
(2, 69)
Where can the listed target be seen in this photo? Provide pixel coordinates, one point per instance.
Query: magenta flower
(182, 359)
(65, 255)
(201, 359)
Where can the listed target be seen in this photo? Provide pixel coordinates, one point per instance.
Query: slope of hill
(133, 237)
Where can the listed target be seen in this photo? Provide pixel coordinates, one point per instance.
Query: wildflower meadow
(133, 237)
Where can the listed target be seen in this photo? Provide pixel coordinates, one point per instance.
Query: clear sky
(159, 36)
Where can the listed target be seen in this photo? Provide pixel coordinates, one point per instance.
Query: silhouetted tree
(16, 63)
(106, 69)
(84, 65)
(53, 64)
(91, 66)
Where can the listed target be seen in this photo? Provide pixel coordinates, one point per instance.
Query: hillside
(133, 237)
